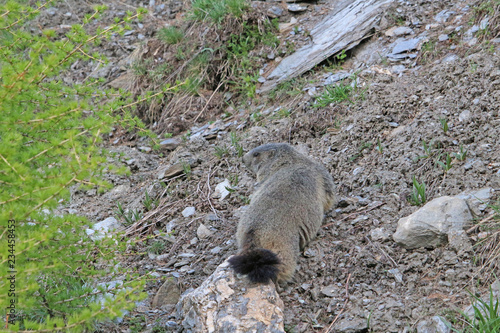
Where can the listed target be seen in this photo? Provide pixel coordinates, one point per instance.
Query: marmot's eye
(256, 154)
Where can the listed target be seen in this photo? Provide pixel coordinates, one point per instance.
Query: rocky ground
(373, 145)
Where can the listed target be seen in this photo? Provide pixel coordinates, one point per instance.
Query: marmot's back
(285, 212)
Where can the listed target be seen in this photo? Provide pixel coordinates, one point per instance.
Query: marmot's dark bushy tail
(260, 265)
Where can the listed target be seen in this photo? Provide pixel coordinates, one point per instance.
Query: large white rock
(224, 303)
(429, 226)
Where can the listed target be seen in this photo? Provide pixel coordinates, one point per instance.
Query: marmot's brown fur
(285, 212)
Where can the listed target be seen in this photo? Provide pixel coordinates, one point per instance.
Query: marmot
(285, 212)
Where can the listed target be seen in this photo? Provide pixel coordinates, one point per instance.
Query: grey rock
(224, 303)
(484, 23)
(168, 294)
(170, 144)
(52, 11)
(352, 325)
(332, 78)
(176, 169)
(379, 234)
(296, 7)
(203, 232)
(399, 31)
(275, 11)
(397, 274)
(459, 241)
(216, 250)
(449, 58)
(443, 16)
(397, 69)
(435, 324)
(429, 226)
(329, 290)
(103, 228)
(221, 190)
(443, 37)
(477, 200)
(402, 47)
(145, 149)
(188, 211)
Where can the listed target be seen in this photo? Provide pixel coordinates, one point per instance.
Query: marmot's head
(259, 160)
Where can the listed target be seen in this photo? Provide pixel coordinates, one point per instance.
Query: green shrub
(50, 136)
(216, 10)
(170, 35)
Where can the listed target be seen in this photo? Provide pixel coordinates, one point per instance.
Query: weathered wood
(345, 27)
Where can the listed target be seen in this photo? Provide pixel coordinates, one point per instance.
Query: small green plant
(334, 94)
(216, 10)
(288, 88)
(246, 200)
(130, 217)
(256, 117)
(149, 203)
(417, 197)
(157, 247)
(446, 165)
(486, 318)
(427, 51)
(235, 142)
(221, 151)
(283, 113)
(361, 148)
(234, 179)
(444, 124)
(341, 56)
(461, 155)
(167, 135)
(170, 35)
(427, 149)
(186, 168)
(379, 147)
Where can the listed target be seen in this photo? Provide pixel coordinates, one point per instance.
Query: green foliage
(288, 88)
(235, 142)
(157, 247)
(444, 124)
(170, 35)
(149, 203)
(417, 197)
(486, 318)
(334, 94)
(379, 147)
(50, 137)
(462, 154)
(221, 151)
(244, 65)
(216, 10)
(446, 165)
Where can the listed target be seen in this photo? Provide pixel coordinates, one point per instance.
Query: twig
(206, 105)
(366, 210)
(343, 307)
(481, 222)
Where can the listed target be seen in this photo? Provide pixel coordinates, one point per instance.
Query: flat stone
(398, 31)
(443, 16)
(188, 211)
(296, 7)
(170, 144)
(168, 294)
(429, 226)
(443, 37)
(203, 232)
